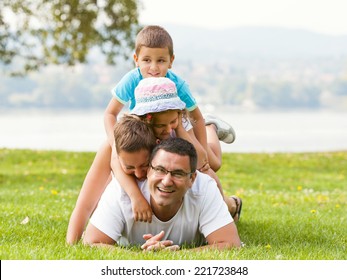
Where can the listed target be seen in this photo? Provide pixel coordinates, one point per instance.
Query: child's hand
(205, 168)
(142, 210)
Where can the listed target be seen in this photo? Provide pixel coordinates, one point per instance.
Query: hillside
(261, 42)
(248, 67)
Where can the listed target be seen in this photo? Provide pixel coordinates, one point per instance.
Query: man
(187, 206)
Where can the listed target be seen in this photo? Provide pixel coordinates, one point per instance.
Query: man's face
(153, 62)
(135, 163)
(164, 123)
(167, 190)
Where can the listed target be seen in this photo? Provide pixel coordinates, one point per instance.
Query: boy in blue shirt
(153, 58)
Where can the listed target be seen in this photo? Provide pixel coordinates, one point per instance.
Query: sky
(322, 16)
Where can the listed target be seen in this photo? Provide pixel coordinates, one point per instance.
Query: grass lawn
(294, 207)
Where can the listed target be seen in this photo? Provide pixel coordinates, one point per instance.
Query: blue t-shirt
(125, 89)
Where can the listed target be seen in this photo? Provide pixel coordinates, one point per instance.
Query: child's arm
(199, 128)
(142, 211)
(93, 186)
(190, 137)
(197, 119)
(200, 135)
(110, 118)
(214, 159)
(203, 165)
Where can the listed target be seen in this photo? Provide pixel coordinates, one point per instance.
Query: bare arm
(223, 238)
(190, 137)
(203, 163)
(92, 188)
(110, 118)
(199, 127)
(94, 236)
(208, 138)
(141, 209)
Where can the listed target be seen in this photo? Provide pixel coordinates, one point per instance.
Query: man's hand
(155, 243)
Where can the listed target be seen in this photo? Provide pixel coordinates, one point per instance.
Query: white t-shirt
(202, 212)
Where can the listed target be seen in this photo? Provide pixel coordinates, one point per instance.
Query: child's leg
(234, 203)
(217, 130)
(214, 150)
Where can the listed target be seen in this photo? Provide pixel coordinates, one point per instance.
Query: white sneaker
(225, 132)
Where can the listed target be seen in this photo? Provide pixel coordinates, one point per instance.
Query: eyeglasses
(176, 174)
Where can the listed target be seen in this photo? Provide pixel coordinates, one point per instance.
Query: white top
(202, 212)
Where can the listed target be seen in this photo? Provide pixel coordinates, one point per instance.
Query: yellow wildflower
(54, 192)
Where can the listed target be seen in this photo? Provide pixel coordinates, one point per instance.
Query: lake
(255, 131)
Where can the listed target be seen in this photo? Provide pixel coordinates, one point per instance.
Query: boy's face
(153, 62)
(163, 123)
(135, 163)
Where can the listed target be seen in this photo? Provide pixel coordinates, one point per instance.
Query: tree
(36, 33)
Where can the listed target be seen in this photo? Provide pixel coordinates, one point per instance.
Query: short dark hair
(153, 36)
(132, 135)
(178, 146)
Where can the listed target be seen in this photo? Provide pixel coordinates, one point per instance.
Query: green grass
(294, 207)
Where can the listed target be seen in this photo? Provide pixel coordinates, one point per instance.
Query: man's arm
(216, 223)
(94, 236)
(223, 238)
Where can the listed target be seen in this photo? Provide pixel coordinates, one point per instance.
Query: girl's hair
(153, 36)
(132, 134)
(148, 118)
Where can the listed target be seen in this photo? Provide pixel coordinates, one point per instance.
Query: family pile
(153, 183)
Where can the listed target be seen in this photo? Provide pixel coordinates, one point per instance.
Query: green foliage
(294, 207)
(64, 32)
